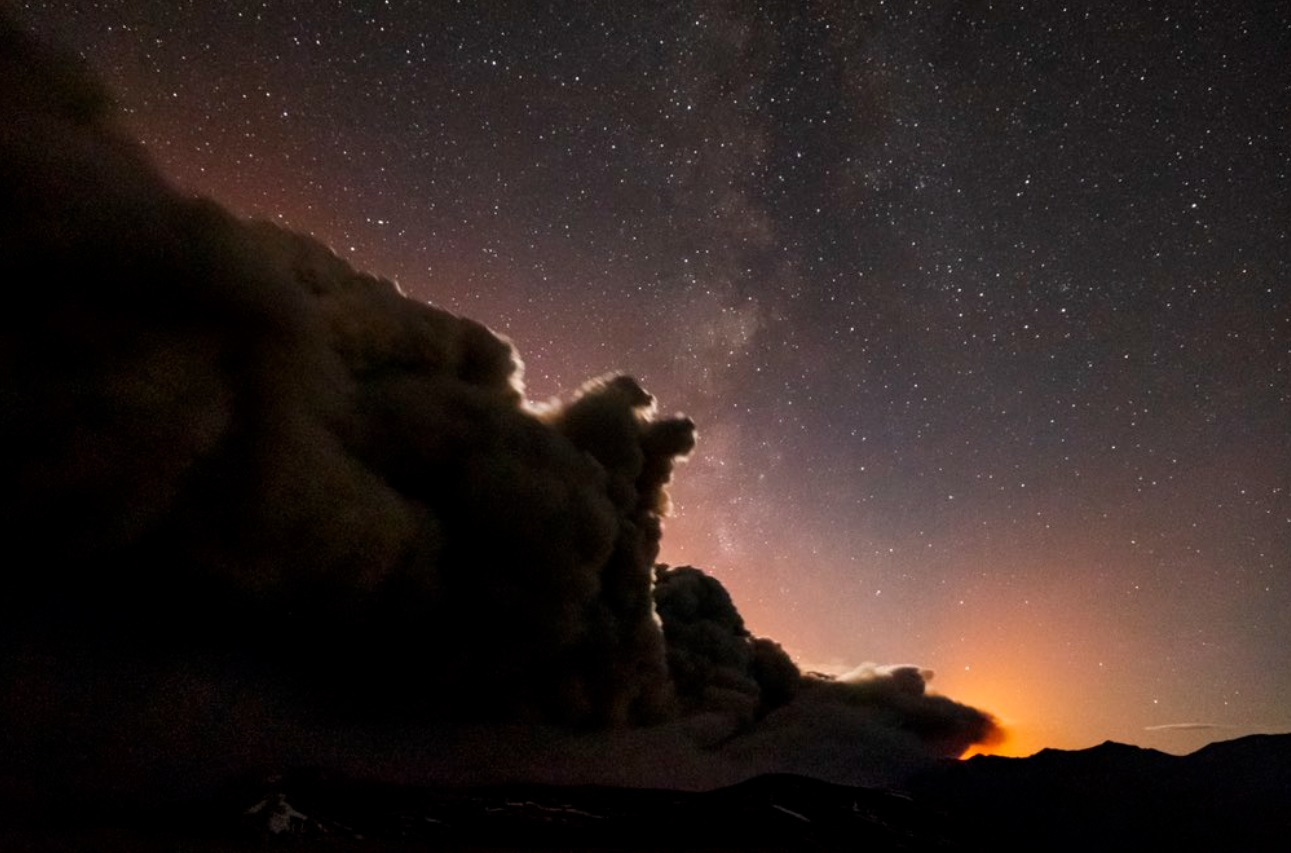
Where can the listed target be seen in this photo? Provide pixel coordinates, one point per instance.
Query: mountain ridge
(1230, 794)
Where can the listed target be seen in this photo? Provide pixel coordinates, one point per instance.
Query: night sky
(982, 310)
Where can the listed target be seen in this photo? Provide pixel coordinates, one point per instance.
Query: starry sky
(982, 309)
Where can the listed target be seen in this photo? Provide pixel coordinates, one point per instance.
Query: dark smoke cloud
(267, 505)
(716, 664)
(231, 410)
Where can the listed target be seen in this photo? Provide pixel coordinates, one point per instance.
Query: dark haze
(263, 509)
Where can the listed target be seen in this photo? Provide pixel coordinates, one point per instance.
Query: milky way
(983, 314)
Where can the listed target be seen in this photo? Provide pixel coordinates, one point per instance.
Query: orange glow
(1020, 736)
(1018, 704)
(1008, 745)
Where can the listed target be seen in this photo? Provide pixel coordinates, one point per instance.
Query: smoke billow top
(262, 508)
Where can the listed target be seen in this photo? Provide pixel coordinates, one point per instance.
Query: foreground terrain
(1228, 795)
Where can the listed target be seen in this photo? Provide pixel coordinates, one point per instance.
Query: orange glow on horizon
(1007, 746)
(1016, 739)
(1018, 714)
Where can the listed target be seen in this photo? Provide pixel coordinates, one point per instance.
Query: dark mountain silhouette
(1230, 796)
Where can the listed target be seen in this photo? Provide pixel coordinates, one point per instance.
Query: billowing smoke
(260, 496)
(716, 664)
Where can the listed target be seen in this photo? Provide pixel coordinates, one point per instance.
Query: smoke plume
(266, 506)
